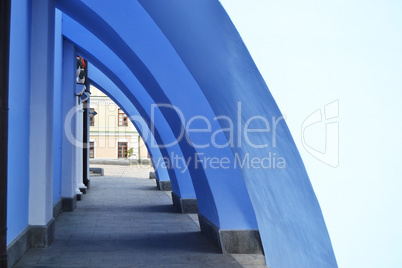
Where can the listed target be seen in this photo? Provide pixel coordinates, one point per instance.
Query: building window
(122, 150)
(123, 120)
(91, 149)
(91, 117)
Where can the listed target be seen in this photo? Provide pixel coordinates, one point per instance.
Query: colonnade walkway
(127, 222)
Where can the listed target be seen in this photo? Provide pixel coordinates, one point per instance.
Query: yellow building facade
(112, 135)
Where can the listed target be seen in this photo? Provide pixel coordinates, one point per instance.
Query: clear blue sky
(311, 53)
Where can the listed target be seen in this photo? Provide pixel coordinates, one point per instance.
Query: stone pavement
(137, 171)
(126, 222)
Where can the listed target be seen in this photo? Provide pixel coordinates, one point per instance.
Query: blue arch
(102, 82)
(181, 181)
(290, 219)
(229, 207)
(199, 37)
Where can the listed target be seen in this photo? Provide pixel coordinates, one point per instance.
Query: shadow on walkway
(121, 223)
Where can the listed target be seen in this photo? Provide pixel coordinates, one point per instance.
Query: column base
(42, 236)
(88, 182)
(185, 205)
(57, 208)
(246, 241)
(98, 171)
(164, 185)
(31, 237)
(68, 204)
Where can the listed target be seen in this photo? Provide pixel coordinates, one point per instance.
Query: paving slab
(127, 222)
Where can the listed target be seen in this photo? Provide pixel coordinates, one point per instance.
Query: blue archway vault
(189, 55)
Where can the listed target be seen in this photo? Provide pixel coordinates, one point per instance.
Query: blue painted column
(68, 184)
(19, 105)
(57, 120)
(41, 119)
(79, 148)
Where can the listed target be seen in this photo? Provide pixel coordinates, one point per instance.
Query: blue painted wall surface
(57, 120)
(19, 101)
